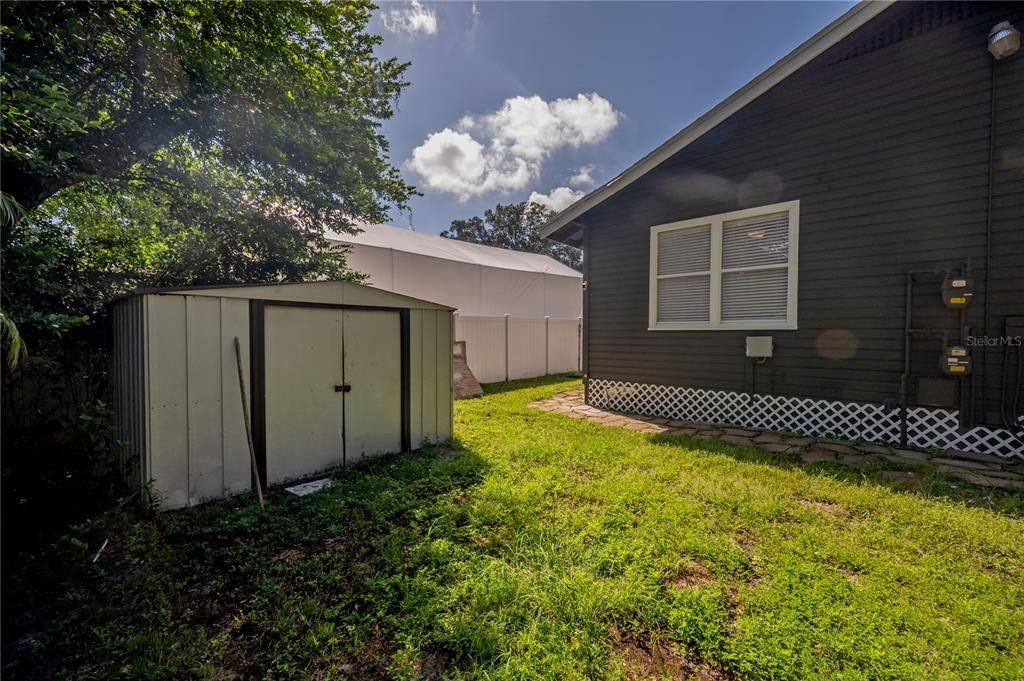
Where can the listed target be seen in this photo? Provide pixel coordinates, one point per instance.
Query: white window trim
(716, 323)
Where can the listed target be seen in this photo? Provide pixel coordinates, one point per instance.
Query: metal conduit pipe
(908, 332)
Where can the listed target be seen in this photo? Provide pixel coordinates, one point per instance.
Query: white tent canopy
(477, 280)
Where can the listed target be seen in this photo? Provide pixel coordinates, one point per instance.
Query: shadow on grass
(925, 480)
(228, 590)
(519, 384)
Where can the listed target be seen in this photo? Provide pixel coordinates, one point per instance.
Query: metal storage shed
(335, 373)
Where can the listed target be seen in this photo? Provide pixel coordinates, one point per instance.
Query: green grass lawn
(543, 547)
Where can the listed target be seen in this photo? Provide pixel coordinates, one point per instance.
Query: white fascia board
(826, 38)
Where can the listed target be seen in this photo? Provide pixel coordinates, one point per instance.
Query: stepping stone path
(985, 470)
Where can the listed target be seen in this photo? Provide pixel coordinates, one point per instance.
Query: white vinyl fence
(505, 348)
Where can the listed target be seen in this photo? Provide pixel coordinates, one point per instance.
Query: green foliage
(197, 232)
(162, 144)
(10, 214)
(17, 351)
(56, 300)
(288, 95)
(203, 141)
(537, 547)
(10, 210)
(514, 226)
(46, 289)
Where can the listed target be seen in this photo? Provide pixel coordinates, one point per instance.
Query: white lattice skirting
(850, 420)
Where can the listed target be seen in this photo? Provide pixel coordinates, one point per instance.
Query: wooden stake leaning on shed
(248, 430)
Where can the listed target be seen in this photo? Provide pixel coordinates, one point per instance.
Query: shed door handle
(345, 388)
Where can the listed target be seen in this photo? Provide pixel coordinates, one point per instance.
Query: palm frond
(16, 348)
(10, 210)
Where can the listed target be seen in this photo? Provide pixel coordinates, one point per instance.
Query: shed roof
(345, 293)
(418, 243)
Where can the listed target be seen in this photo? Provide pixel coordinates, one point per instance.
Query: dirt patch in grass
(333, 544)
(581, 474)
(998, 571)
(909, 478)
(692, 576)
(433, 663)
(287, 555)
(372, 662)
(754, 580)
(747, 543)
(825, 506)
(851, 576)
(658, 660)
(325, 545)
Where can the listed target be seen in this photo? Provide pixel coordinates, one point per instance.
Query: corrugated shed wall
(176, 395)
(431, 336)
(197, 447)
(884, 142)
(128, 371)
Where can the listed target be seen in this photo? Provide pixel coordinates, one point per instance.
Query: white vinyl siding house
(734, 271)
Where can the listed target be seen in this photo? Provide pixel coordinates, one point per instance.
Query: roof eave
(563, 225)
(341, 240)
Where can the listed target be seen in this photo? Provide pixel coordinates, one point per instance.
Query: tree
(166, 143)
(515, 226)
(288, 95)
(206, 229)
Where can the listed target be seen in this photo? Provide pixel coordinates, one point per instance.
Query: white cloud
(583, 176)
(531, 128)
(415, 18)
(505, 150)
(456, 163)
(557, 199)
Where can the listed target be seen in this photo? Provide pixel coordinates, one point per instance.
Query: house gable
(867, 27)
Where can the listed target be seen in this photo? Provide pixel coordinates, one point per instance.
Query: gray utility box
(759, 347)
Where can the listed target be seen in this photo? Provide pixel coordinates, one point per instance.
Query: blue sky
(510, 100)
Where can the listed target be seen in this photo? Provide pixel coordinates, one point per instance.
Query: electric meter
(955, 361)
(957, 291)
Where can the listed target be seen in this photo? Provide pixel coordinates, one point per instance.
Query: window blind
(755, 242)
(684, 250)
(762, 240)
(760, 294)
(684, 299)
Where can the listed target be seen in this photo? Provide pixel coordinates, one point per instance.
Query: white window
(729, 271)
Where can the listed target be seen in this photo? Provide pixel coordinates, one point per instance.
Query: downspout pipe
(987, 303)
(905, 376)
(585, 330)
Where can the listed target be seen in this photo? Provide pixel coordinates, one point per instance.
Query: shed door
(373, 370)
(303, 350)
(312, 421)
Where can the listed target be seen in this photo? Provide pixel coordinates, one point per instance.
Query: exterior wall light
(1003, 40)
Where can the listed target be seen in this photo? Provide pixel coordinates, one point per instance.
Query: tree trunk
(30, 190)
